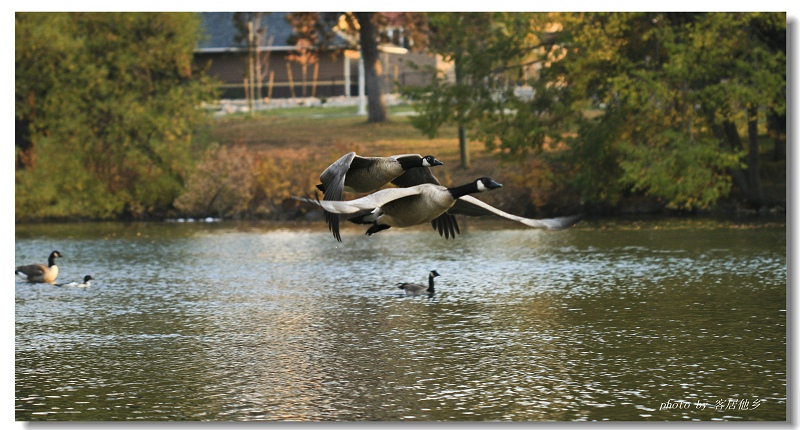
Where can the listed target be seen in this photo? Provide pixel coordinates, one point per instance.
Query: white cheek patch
(481, 187)
(425, 163)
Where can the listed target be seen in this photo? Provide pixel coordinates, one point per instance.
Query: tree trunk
(376, 110)
(462, 130)
(23, 142)
(727, 133)
(756, 194)
(250, 66)
(732, 135)
(462, 146)
(776, 128)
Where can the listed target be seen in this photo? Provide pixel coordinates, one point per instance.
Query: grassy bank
(293, 131)
(291, 147)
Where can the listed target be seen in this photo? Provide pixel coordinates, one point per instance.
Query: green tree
(489, 52)
(679, 91)
(647, 103)
(106, 106)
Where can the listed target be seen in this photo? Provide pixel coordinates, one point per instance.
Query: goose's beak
(492, 184)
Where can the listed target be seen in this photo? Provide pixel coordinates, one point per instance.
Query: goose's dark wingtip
(568, 221)
(574, 219)
(332, 220)
(309, 199)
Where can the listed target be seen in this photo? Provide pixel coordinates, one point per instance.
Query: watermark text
(719, 405)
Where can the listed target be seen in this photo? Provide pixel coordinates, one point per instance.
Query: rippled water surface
(611, 320)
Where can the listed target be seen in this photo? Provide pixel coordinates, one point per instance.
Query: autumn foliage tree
(106, 106)
(364, 31)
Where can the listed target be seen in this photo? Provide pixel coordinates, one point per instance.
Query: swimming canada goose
(356, 174)
(39, 273)
(86, 283)
(412, 289)
(404, 207)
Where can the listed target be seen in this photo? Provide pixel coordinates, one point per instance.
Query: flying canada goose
(39, 273)
(86, 283)
(412, 289)
(445, 223)
(404, 207)
(355, 174)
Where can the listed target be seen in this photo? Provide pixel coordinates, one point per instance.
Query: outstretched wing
(416, 176)
(333, 187)
(368, 202)
(470, 206)
(332, 178)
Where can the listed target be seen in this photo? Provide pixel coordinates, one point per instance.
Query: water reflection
(264, 322)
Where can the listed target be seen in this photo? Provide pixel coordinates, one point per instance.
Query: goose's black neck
(463, 190)
(430, 283)
(51, 261)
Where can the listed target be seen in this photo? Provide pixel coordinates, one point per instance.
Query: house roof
(220, 33)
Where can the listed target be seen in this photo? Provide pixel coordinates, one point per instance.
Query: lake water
(677, 319)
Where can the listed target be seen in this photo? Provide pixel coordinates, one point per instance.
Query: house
(288, 69)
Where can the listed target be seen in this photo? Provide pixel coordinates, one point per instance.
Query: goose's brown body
(41, 273)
